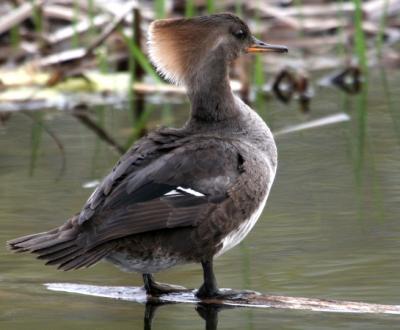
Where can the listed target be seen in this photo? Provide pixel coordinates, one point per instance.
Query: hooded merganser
(178, 195)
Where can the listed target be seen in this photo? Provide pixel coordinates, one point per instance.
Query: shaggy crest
(168, 43)
(176, 46)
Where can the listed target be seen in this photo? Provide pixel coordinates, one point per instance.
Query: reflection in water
(37, 130)
(390, 103)
(361, 120)
(293, 83)
(208, 312)
(83, 117)
(149, 313)
(36, 134)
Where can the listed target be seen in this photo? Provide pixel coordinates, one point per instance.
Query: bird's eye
(240, 34)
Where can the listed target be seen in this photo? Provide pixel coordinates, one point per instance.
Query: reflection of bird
(178, 195)
(208, 312)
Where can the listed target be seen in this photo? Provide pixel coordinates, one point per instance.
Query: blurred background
(77, 89)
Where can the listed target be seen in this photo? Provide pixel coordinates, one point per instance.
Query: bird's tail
(63, 246)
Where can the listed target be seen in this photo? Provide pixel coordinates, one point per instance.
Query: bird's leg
(209, 287)
(155, 289)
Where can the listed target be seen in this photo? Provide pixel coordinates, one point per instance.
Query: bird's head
(181, 47)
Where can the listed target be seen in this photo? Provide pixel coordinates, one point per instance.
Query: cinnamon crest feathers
(179, 46)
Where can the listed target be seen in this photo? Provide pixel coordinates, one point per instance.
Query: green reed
(15, 36)
(159, 7)
(391, 104)
(299, 6)
(140, 125)
(36, 140)
(37, 18)
(141, 59)
(239, 8)
(258, 67)
(75, 19)
(132, 74)
(102, 59)
(359, 37)
(190, 9)
(341, 49)
(361, 131)
(381, 32)
(91, 13)
(210, 4)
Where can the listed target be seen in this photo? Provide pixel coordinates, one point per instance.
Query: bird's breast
(237, 235)
(255, 191)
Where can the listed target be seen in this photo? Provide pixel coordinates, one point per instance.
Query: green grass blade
(381, 31)
(360, 44)
(75, 37)
(141, 58)
(132, 77)
(160, 8)
(341, 49)
(299, 6)
(36, 139)
(37, 18)
(210, 6)
(361, 117)
(391, 104)
(239, 8)
(91, 12)
(15, 36)
(101, 59)
(258, 68)
(259, 78)
(190, 10)
(139, 125)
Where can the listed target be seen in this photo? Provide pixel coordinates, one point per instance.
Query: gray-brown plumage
(178, 195)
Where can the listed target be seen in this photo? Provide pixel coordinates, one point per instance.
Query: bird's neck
(210, 93)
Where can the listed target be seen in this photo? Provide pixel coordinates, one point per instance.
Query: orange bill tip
(262, 47)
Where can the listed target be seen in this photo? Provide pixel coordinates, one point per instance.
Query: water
(330, 230)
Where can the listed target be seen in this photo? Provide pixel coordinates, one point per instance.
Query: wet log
(18, 15)
(243, 299)
(78, 54)
(109, 29)
(146, 88)
(304, 23)
(315, 123)
(375, 9)
(319, 10)
(83, 26)
(66, 56)
(64, 13)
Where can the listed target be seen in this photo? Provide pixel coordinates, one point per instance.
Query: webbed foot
(223, 294)
(154, 288)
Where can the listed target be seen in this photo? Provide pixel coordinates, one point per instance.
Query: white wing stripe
(191, 191)
(179, 190)
(172, 192)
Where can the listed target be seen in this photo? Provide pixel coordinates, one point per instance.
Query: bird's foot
(158, 289)
(223, 294)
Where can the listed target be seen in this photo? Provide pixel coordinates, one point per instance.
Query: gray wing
(173, 190)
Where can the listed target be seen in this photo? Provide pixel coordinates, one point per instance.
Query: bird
(178, 195)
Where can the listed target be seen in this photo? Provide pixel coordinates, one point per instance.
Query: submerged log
(242, 299)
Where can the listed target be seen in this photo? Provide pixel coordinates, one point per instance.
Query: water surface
(331, 227)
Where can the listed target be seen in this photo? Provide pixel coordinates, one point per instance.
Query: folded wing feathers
(70, 248)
